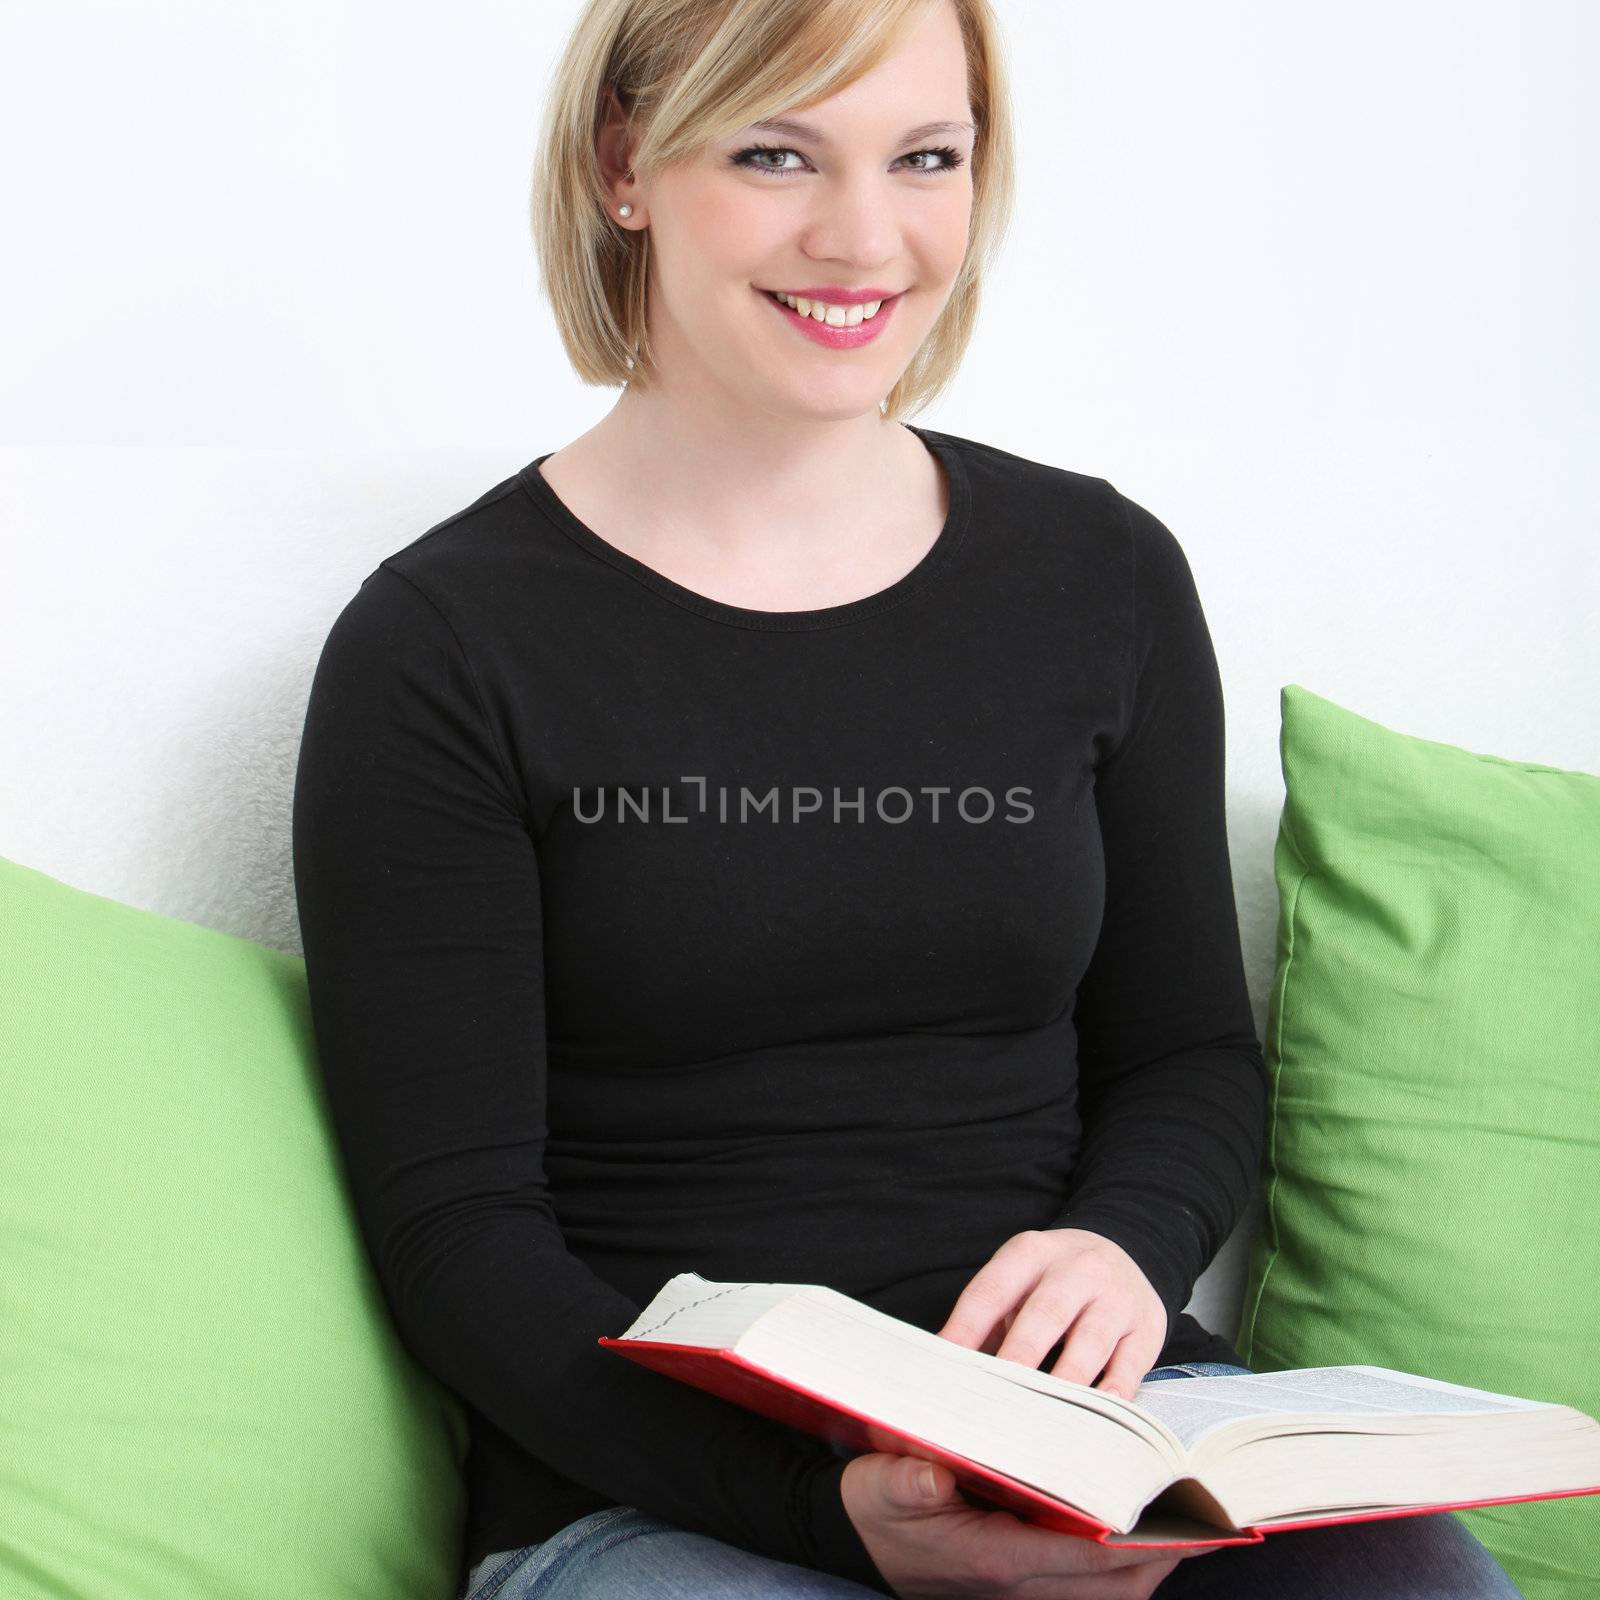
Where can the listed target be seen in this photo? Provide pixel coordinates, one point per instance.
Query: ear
(614, 145)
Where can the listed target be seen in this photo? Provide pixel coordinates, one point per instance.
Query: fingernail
(927, 1483)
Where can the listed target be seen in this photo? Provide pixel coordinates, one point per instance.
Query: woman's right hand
(929, 1547)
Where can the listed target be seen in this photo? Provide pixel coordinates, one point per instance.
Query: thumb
(917, 1484)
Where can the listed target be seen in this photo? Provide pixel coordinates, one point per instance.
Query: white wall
(1315, 283)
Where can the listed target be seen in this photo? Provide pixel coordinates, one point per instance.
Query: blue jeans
(621, 1553)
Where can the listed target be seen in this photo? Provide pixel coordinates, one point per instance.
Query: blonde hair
(688, 72)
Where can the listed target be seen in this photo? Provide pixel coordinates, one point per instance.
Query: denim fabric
(624, 1554)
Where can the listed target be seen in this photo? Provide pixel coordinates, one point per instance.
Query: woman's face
(856, 192)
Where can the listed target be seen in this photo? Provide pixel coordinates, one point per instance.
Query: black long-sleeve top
(646, 933)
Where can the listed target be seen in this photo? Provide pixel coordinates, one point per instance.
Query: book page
(1194, 1407)
(689, 1309)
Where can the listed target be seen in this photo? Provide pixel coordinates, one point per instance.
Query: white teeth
(835, 316)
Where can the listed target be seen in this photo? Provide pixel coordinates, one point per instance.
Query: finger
(997, 1288)
(1089, 1343)
(1155, 1576)
(1129, 1363)
(1041, 1318)
(976, 1320)
(997, 1333)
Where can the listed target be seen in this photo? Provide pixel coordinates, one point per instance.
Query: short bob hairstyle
(689, 72)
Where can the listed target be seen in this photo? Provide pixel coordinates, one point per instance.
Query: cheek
(946, 231)
(730, 228)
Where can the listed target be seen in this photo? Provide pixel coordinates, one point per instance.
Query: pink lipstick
(837, 338)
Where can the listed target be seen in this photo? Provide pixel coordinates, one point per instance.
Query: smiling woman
(689, 100)
(994, 1073)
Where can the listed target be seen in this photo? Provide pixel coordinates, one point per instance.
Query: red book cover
(733, 1377)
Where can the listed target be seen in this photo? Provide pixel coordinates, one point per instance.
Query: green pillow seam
(1269, 1223)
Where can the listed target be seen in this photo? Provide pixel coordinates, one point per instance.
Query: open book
(1190, 1461)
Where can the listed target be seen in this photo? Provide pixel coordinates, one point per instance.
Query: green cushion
(1432, 1164)
(202, 1396)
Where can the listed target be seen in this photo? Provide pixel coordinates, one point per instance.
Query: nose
(853, 221)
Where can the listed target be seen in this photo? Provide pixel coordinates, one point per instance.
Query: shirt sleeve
(1172, 1083)
(417, 882)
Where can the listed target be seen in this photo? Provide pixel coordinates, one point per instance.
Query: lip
(830, 337)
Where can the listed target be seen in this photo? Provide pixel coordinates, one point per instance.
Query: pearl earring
(624, 211)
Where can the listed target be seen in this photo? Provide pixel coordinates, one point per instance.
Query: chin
(839, 408)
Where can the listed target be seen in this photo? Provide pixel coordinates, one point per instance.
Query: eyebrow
(804, 130)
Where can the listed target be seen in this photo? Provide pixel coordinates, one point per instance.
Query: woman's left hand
(1045, 1281)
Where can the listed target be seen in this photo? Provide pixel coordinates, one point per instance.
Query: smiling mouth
(830, 312)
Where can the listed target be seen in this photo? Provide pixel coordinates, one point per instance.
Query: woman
(767, 838)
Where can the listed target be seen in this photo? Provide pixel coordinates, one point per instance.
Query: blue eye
(951, 159)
